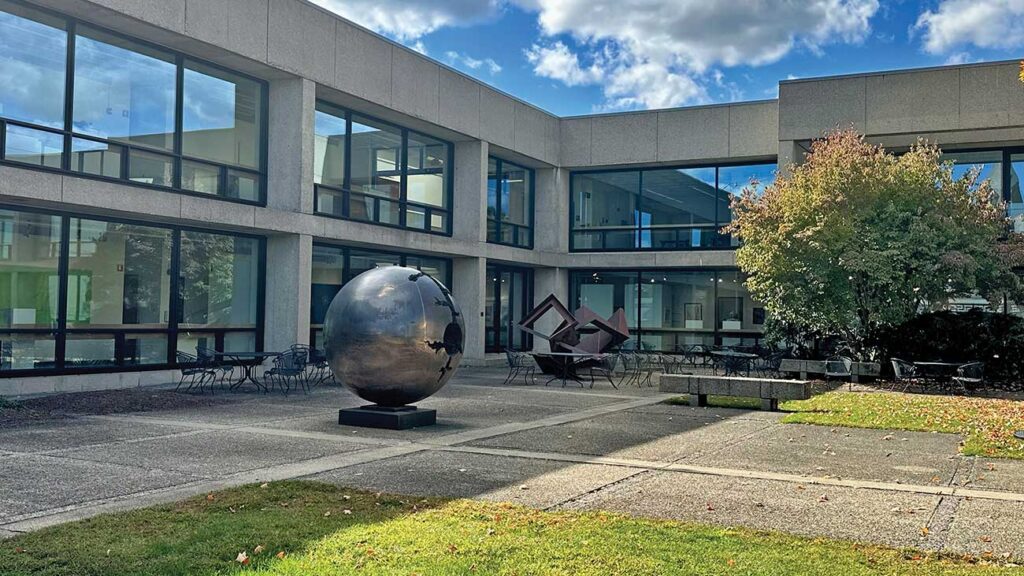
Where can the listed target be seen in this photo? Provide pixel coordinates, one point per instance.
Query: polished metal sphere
(393, 335)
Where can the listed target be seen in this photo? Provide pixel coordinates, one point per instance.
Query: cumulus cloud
(453, 58)
(408, 20)
(659, 53)
(953, 24)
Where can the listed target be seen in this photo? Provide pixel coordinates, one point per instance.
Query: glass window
(33, 56)
(606, 292)
(509, 204)
(221, 116)
(733, 180)
(360, 262)
(988, 163)
(674, 306)
(29, 267)
(678, 208)
(1016, 206)
(328, 275)
(329, 148)
(118, 275)
(218, 280)
(427, 174)
(435, 267)
(493, 183)
(123, 91)
(96, 158)
(376, 160)
(27, 352)
(199, 177)
(243, 185)
(35, 147)
(142, 349)
(148, 168)
(605, 207)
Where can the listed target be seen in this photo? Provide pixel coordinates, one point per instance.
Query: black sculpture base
(374, 416)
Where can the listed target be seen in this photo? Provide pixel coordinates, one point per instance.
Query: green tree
(857, 237)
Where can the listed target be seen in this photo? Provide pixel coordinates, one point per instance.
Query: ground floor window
(671, 309)
(96, 294)
(334, 266)
(509, 297)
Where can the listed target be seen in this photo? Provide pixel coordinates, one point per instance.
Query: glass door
(509, 297)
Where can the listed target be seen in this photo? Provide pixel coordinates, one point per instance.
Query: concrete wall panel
(754, 129)
(300, 40)
(415, 84)
(991, 96)
(459, 107)
(237, 25)
(575, 142)
(693, 133)
(913, 102)
(625, 139)
(122, 197)
(363, 64)
(168, 14)
(24, 184)
(532, 130)
(497, 118)
(809, 108)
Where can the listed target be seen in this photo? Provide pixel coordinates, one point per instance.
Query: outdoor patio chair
(904, 375)
(289, 369)
(647, 364)
(839, 367)
(519, 363)
(603, 367)
(629, 363)
(193, 370)
(970, 377)
(221, 368)
(317, 370)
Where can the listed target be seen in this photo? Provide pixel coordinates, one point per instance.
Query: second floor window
(371, 171)
(509, 204)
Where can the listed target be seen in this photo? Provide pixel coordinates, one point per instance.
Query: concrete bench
(858, 370)
(770, 392)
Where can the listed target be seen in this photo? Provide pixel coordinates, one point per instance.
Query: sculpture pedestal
(374, 416)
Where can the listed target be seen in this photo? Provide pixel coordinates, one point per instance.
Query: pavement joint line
(950, 491)
(730, 444)
(121, 442)
(592, 491)
(548, 390)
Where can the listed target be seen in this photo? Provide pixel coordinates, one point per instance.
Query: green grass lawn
(302, 528)
(987, 424)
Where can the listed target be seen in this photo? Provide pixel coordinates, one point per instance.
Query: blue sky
(585, 56)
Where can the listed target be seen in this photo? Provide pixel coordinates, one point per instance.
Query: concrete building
(182, 173)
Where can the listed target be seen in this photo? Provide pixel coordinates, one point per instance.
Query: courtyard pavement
(548, 447)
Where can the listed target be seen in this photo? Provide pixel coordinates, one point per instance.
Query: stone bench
(858, 370)
(770, 392)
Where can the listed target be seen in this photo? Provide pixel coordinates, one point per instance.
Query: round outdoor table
(248, 361)
(738, 359)
(940, 373)
(565, 364)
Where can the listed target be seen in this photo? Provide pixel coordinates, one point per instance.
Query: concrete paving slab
(710, 412)
(532, 395)
(987, 526)
(246, 412)
(630, 434)
(72, 433)
(863, 515)
(997, 474)
(33, 483)
(213, 453)
(539, 483)
(909, 457)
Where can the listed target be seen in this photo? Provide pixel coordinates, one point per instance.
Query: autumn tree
(858, 237)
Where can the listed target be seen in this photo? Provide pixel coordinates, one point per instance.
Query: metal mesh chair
(193, 370)
(221, 369)
(289, 369)
(970, 377)
(519, 363)
(904, 375)
(603, 367)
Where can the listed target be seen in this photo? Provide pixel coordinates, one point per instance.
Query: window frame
(60, 331)
(68, 133)
(345, 190)
(498, 223)
(720, 241)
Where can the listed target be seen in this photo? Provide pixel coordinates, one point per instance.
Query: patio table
(564, 363)
(248, 361)
(938, 373)
(733, 362)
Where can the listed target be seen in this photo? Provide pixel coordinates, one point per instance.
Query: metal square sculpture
(567, 338)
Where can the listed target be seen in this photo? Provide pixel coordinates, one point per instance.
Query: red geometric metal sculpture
(567, 338)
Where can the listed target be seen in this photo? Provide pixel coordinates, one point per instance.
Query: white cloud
(995, 24)
(408, 20)
(453, 58)
(656, 53)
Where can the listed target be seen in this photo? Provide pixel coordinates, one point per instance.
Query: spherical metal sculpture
(393, 335)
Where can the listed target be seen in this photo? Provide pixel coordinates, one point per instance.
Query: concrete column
(470, 290)
(790, 152)
(469, 219)
(551, 232)
(547, 281)
(291, 129)
(289, 276)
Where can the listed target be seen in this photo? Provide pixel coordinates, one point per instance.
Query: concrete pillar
(469, 277)
(289, 277)
(790, 153)
(547, 281)
(551, 232)
(470, 210)
(290, 158)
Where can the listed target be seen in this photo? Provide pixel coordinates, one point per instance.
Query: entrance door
(509, 297)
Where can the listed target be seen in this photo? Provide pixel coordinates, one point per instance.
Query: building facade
(183, 173)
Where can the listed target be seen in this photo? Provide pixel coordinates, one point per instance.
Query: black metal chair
(317, 370)
(767, 365)
(970, 377)
(289, 368)
(519, 363)
(194, 370)
(603, 367)
(221, 368)
(839, 367)
(904, 375)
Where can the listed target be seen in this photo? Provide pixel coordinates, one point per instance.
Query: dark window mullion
(403, 181)
(175, 303)
(179, 107)
(69, 94)
(346, 181)
(60, 344)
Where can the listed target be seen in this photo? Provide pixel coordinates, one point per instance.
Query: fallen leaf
(823, 498)
(346, 511)
(710, 507)
(280, 555)
(924, 530)
(730, 562)
(209, 497)
(985, 538)
(326, 514)
(257, 549)
(242, 558)
(264, 485)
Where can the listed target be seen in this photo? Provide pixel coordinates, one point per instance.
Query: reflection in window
(123, 91)
(1016, 203)
(606, 214)
(219, 276)
(33, 55)
(330, 130)
(427, 178)
(989, 165)
(221, 116)
(35, 147)
(509, 204)
(29, 270)
(96, 158)
(679, 207)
